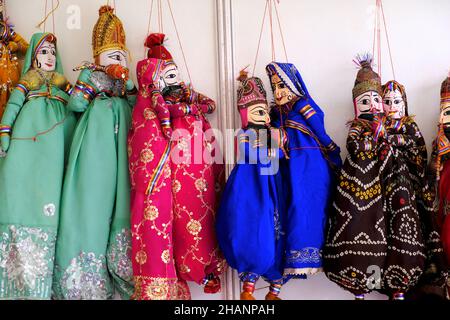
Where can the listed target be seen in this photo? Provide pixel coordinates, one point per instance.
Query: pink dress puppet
(174, 194)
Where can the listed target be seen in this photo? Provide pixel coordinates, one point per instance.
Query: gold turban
(108, 32)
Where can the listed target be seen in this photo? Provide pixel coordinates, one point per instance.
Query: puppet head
(252, 102)
(367, 90)
(108, 39)
(44, 57)
(286, 86)
(394, 99)
(445, 103)
(169, 80)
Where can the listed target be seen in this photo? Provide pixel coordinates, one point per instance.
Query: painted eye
(447, 113)
(54, 52)
(396, 101)
(365, 101)
(171, 76)
(377, 100)
(44, 51)
(261, 113)
(388, 102)
(281, 85)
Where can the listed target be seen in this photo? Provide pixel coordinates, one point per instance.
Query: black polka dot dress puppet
(407, 198)
(356, 243)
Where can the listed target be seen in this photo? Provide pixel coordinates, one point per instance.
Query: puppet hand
(117, 72)
(4, 140)
(187, 92)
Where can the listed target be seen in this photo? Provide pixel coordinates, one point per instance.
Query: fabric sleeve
(15, 103)
(83, 93)
(315, 122)
(358, 141)
(205, 104)
(22, 45)
(131, 92)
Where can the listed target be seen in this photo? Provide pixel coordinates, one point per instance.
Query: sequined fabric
(26, 261)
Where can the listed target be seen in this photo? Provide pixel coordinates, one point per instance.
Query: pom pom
(155, 39)
(105, 9)
(364, 60)
(243, 75)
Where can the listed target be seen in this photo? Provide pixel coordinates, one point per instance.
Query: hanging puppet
(357, 236)
(35, 131)
(309, 173)
(249, 226)
(10, 44)
(407, 198)
(93, 250)
(440, 179)
(174, 187)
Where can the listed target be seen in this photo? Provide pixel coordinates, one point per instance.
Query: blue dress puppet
(308, 175)
(249, 228)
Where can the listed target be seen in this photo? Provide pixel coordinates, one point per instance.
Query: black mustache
(169, 90)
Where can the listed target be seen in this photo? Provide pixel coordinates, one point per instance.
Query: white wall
(322, 37)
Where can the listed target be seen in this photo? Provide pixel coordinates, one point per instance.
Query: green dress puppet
(94, 241)
(35, 131)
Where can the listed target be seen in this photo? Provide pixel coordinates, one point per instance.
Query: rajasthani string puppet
(249, 226)
(407, 198)
(440, 176)
(10, 44)
(93, 252)
(307, 177)
(357, 238)
(35, 131)
(174, 187)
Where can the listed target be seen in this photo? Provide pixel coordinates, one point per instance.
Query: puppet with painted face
(357, 237)
(307, 174)
(407, 197)
(93, 251)
(35, 131)
(440, 176)
(174, 185)
(249, 226)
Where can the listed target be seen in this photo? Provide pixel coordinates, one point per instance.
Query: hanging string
(380, 20)
(53, 19)
(46, 15)
(179, 42)
(260, 36)
(281, 31)
(387, 39)
(149, 23)
(271, 31)
(160, 14)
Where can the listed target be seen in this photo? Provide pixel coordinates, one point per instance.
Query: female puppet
(35, 131)
(440, 180)
(356, 244)
(10, 43)
(309, 173)
(407, 198)
(94, 243)
(249, 226)
(173, 197)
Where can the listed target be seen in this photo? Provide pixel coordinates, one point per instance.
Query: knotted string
(379, 19)
(149, 22)
(179, 42)
(47, 15)
(269, 6)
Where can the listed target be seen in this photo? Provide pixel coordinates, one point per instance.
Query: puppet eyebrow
(115, 53)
